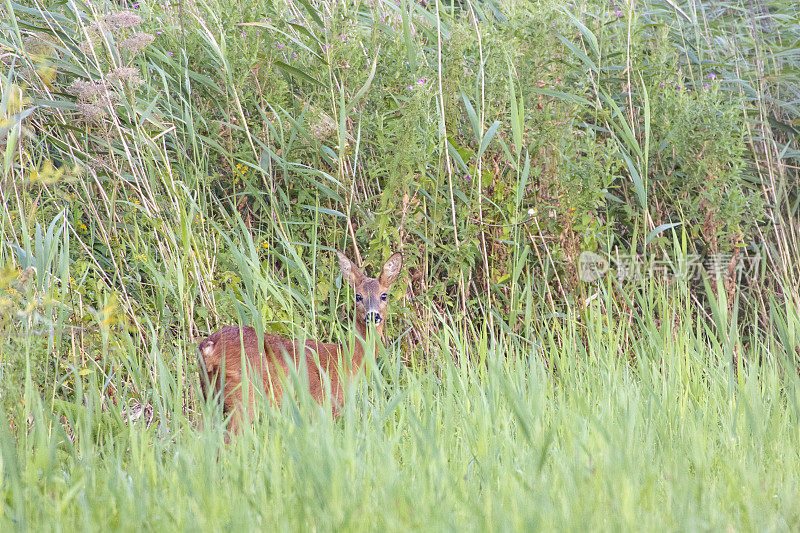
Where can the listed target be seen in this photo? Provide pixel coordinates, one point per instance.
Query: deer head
(372, 294)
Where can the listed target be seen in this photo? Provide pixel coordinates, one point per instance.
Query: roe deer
(220, 361)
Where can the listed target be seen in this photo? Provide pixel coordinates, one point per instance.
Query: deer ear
(391, 270)
(350, 272)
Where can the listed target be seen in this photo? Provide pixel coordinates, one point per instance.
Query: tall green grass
(566, 434)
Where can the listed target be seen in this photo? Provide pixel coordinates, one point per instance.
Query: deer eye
(384, 296)
(359, 297)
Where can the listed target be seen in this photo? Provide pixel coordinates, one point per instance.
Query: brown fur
(220, 361)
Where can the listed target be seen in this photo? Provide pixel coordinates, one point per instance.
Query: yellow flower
(265, 245)
(83, 226)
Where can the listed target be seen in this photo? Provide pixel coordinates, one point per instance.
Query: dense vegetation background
(172, 167)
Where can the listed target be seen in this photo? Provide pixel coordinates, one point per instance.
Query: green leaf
(364, 88)
(659, 230)
(487, 137)
(567, 97)
(289, 70)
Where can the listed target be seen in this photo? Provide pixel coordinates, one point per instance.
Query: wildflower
(126, 74)
(94, 35)
(124, 19)
(265, 245)
(93, 98)
(662, 83)
(83, 226)
(280, 46)
(170, 55)
(712, 76)
(410, 87)
(86, 90)
(619, 13)
(91, 112)
(258, 33)
(421, 81)
(468, 176)
(705, 86)
(138, 42)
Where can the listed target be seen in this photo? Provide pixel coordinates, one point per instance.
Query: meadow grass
(170, 168)
(565, 434)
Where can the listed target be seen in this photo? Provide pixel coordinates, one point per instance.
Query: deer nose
(373, 316)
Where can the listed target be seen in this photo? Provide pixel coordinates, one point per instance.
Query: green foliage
(561, 434)
(169, 168)
(702, 166)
